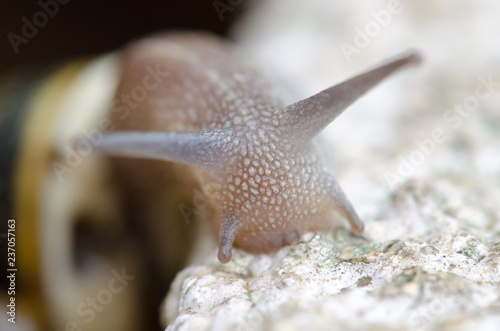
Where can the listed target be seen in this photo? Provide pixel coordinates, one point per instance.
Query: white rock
(446, 277)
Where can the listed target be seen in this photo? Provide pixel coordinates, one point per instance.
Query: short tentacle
(344, 208)
(227, 233)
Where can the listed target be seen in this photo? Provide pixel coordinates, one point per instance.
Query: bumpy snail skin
(215, 112)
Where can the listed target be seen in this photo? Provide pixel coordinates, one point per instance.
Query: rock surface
(429, 258)
(419, 266)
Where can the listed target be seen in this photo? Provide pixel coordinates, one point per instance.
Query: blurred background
(93, 27)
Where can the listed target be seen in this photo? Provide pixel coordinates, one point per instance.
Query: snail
(218, 116)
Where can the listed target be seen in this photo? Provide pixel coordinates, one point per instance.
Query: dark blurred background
(42, 33)
(92, 27)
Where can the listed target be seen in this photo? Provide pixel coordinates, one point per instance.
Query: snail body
(231, 130)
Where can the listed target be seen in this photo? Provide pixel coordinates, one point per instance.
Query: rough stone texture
(429, 270)
(430, 255)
